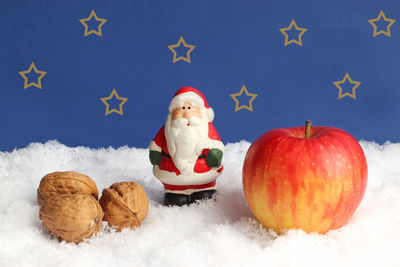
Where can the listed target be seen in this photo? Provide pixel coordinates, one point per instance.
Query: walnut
(65, 182)
(72, 217)
(125, 204)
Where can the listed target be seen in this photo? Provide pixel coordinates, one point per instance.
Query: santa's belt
(202, 156)
(186, 187)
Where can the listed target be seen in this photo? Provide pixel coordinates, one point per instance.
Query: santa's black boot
(171, 199)
(202, 195)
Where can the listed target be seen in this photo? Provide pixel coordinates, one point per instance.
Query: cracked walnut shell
(72, 217)
(125, 204)
(65, 183)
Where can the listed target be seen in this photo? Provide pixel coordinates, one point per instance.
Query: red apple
(304, 178)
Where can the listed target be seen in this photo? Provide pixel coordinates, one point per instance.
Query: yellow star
(39, 82)
(250, 106)
(284, 30)
(114, 93)
(338, 83)
(187, 58)
(98, 32)
(387, 32)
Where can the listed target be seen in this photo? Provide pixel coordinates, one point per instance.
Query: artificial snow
(212, 233)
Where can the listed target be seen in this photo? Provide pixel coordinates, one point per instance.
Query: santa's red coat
(201, 169)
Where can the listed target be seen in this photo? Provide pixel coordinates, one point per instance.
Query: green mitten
(214, 157)
(155, 157)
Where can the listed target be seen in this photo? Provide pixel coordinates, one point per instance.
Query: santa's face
(187, 110)
(186, 130)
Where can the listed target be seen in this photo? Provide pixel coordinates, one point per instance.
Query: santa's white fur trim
(191, 97)
(215, 144)
(210, 114)
(154, 146)
(194, 99)
(186, 179)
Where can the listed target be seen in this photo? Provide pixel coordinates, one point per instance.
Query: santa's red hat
(195, 97)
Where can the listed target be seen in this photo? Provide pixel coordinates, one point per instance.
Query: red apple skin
(314, 184)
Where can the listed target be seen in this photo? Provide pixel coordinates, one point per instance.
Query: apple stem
(308, 128)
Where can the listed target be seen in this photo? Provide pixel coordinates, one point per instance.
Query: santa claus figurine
(187, 151)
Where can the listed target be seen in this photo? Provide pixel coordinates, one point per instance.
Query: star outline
(250, 106)
(105, 99)
(172, 48)
(98, 32)
(284, 30)
(338, 83)
(39, 83)
(387, 32)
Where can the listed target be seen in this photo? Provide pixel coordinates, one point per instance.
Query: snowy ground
(221, 233)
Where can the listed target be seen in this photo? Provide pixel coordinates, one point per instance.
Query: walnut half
(65, 183)
(125, 204)
(72, 217)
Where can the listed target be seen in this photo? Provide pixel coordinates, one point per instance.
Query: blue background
(237, 43)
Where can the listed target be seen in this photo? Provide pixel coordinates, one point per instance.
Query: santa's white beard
(185, 143)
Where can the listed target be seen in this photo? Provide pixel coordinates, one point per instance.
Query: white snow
(221, 233)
